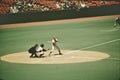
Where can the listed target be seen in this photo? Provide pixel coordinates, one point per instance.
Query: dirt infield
(69, 56)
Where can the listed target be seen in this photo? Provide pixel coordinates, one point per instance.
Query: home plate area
(69, 56)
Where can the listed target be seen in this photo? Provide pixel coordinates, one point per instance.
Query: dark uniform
(33, 51)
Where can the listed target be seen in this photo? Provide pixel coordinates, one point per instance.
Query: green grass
(71, 36)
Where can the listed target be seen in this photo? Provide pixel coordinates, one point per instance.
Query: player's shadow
(39, 57)
(42, 57)
(56, 54)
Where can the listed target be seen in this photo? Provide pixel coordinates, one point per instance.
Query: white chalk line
(117, 59)
(110, 30)
(96, 46)
(74, 57)
(77, 57)
(100, 44)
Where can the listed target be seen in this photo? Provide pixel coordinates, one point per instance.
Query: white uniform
(39, 49)
(54, 41)
(54, 45)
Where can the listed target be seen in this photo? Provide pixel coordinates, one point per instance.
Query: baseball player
(117, 22)
(40, 49)
(54, 45)
(33, 52)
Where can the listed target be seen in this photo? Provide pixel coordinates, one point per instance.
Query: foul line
(100, 44)
(97, 46)
(117, 59)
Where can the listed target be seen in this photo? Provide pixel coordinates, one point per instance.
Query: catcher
(37, 49)
(40, 50)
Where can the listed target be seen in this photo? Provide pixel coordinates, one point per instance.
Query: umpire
(33, 51)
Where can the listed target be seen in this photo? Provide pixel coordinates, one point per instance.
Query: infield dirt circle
(69, 56)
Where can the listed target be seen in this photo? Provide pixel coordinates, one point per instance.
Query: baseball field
(90, 47)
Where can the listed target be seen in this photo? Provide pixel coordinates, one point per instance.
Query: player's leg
(41, 54)
(53, 47)
(58, 50)
(33, 54)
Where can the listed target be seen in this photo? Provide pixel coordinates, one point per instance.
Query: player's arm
(45, 49)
